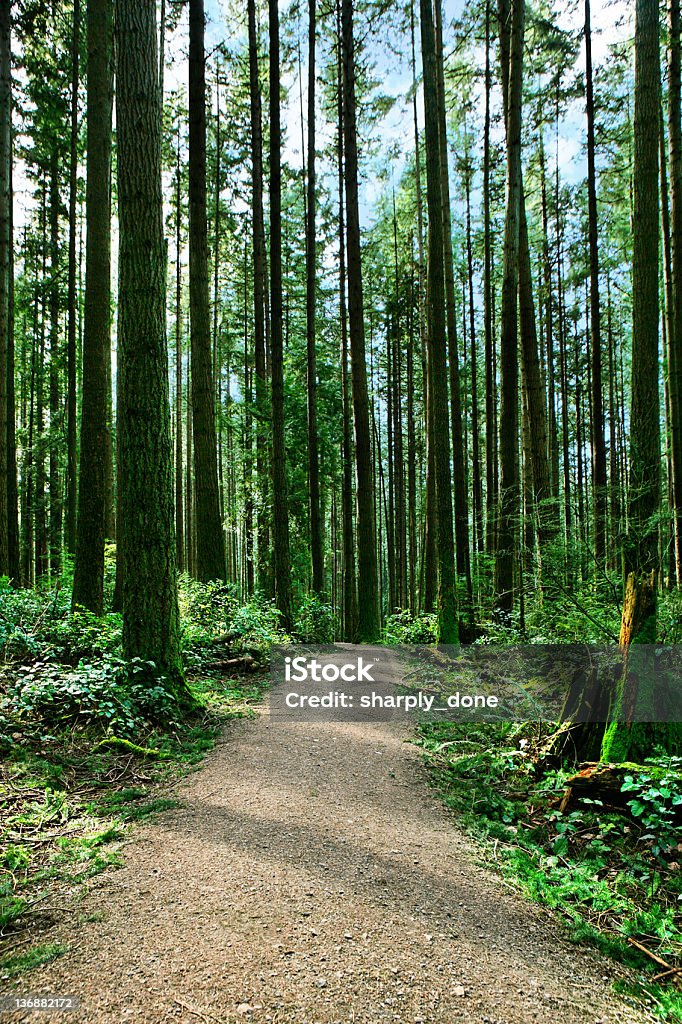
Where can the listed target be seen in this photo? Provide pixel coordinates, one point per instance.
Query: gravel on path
(311, 877)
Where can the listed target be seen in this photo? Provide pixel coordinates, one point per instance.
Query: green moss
(623, 742)
(119, 743)
(13, 965)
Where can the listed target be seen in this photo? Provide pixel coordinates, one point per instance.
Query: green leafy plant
(404, 628)
(655, 796)
(314, 621)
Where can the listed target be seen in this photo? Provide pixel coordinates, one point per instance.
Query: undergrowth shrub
(110, 696)
(404, 628)
(314, 621)
(213, 611)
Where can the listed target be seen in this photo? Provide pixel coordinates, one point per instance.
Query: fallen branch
(657, 959)
(197, 1013)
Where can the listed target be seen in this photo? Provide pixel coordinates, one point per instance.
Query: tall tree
(490, 452)
(461, 499)
(280, 516)
(150, 599)
(179, 507)
(5, 264)
(350, 593)
(599, 480)
(509, 367)
(56, 421)
(675, 321)
(71, 383)
(638, 623)
(641, 555)
(316, 534)
(88, 582)
(259, 276)
(447, 607)
(368, 583)
(210, 542)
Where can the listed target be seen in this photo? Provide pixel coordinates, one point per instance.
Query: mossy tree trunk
(638, 623)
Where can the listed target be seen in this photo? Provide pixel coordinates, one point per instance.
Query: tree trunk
(599, 481)
(429, 571)
(280, 518)
(13, 536)
(645, 451)
(614, 468)
(88, 580)
(259, 296)
(316, 536)
(71, 444)
(477, 489)
(509, 367)
(490, 459)
(350, 594)
(41, 558)
(179, 499)
(411, 455)
(398, 447)
(675, 332)
(447, 608)
(552, 427)
(150, 600)
(638, 621)
(459, 461)
(55, 510)
(5, 264)
(210, 562)
(368, 603)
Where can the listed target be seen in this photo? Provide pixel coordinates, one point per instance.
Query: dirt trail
(310, 876)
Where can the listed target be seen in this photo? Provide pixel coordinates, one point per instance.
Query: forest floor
(309, 875)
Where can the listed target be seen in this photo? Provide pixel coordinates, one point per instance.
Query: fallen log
(246, 663)
(598, 781)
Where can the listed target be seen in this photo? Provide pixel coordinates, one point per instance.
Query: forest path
(311, 876)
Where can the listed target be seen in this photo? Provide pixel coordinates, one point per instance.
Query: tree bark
(259, 298)
(509, 367)
(368, 586)
(56, 420)
(623, 737)
(459, 461)
(350, 594)
(280, 519)
(599, 480)
(71, 440)
(675, 332)
(477, 488)
(210, 557)
(316, 528)
(88, 583)
(645, 450)
(179, 498)
(150, 600)
(5, 264)
(447, 608)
